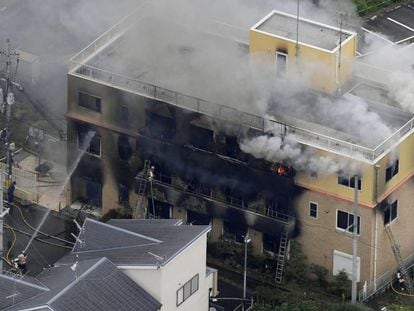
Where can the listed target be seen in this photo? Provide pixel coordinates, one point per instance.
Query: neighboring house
(95, 284)
(125, 111)
(165, 258)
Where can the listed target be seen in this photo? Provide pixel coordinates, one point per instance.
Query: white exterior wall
(163, 283)
(148, 279)
(182, 269)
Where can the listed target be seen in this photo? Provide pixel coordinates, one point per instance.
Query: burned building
(163, 111)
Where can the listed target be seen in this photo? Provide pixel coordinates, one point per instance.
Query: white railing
(78, 67)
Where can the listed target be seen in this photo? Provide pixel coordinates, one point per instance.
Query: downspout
(377, 167)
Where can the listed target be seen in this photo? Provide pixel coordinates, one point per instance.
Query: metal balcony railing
(78, 67)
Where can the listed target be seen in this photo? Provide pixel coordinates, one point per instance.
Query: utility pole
(297, 29)
(8, 99)
(355, 243)
(3, 212)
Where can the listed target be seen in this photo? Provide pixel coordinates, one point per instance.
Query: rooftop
(133, 242)
(175, 67)
(93, 285)
(311, 33)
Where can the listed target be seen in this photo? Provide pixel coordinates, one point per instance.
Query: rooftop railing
(78, 66)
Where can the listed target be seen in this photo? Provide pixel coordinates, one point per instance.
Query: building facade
(159, 152)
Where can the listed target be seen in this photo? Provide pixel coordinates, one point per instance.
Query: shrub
(341, 285)
(296, 268)
(320, 273)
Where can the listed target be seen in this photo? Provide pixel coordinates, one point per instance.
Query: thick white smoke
(288, 150)
(401, 86)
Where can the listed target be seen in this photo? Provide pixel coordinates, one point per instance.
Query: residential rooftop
(134, 242)
(183, 66)
(95, 284)
(311, 33)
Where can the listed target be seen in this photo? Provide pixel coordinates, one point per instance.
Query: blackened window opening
(125, 115)
(196, 218)
(202, 138)
(349, 181)
(162, 210)
(160, 127)
(234, 231)
(270, 243)
(392, 170)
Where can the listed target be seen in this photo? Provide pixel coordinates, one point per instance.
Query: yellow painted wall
(405, 153)
(329, 184)
(314, 68)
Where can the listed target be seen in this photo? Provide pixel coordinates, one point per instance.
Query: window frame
(181, 290)
(316, 211)
(393, 172)
(392, 206)
(87, 149)
(349, 181)
(285, 55)
(347, 230)
(89, 106)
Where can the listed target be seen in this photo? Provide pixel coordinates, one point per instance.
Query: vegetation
(320, 273)
(368, 6)
(296, 269)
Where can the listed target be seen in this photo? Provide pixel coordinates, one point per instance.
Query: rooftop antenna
(159, 259)
(338, 79)
(297, 28)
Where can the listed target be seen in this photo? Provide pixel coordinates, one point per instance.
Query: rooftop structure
(132, 242)
(89, 285)
(114, 60)
(315, 34)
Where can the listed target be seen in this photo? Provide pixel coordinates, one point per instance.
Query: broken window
(160, 210)
(89, 140)
(234, 197)
(202, 138)
(162, 171)
(281, 64)
(345, 221)
(313, 210)
(123, 195)
(124, 147)
(196, 218)
(270, 243)
(390, 213)
(234, 231)
(392, 170)
(89, 101)
(349, 181)
(160, 127)
(93, 192)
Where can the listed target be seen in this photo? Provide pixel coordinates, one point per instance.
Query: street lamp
(246, 241)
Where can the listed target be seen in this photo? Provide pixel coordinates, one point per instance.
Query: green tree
(341, 285)
(320, 273)
(296, 268)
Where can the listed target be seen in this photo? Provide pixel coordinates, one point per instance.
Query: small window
(89, 141)
(392, 170)
(188, 289)
(313, 210)
(390, 213)
(345, 220)
(202, 138)
(281, 65)
(89, 102)
(124, 115)
(349, 181)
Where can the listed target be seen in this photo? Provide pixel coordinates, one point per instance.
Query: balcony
(215, 203)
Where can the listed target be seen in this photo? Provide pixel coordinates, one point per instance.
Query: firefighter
(10, 192)
(19, 263)
(151, 173)
(400, 280)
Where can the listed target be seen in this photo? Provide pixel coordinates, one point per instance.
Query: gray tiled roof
(14, 289)
(94, 285)
(164, 238)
